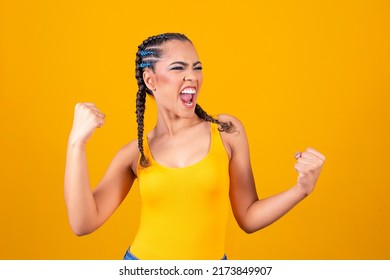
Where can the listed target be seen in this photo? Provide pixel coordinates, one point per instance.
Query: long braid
(222, 126)
(140, 111)
(140, 102)
(147, 55)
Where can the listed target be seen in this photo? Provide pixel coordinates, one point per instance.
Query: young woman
(190, 167)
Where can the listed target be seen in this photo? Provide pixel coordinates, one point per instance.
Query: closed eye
(182, 68)
(177, 68)
(180, 65)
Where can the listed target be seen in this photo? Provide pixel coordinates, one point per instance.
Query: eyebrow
(184, 63)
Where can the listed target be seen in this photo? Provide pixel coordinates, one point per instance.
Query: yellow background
(297, 73)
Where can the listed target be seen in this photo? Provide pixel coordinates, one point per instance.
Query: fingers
(310, 153)
(310, 159)
(99, 114)
(86, 103)
(88, 110)
(100, 118)
(301, 167)
(92, 107)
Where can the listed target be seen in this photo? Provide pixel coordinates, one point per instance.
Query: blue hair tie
(145, 53)
(144, 64)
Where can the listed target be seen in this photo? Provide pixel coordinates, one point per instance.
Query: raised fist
(308, 165)
(86, 119)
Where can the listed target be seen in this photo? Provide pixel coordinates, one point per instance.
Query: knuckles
(310, 168)
(80, 106)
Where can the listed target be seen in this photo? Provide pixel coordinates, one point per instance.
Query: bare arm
(251, 213)
(87, 209)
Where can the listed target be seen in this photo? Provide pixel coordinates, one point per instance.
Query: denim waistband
(129, 256)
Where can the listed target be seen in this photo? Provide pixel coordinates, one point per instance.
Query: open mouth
(187, 96)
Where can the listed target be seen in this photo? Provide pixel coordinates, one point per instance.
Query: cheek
(167, 87)
(200, 78)
(166, 80)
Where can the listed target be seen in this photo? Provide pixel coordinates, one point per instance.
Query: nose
(189, 76)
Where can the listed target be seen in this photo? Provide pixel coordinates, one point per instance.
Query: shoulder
(236, 139)
(238, 125)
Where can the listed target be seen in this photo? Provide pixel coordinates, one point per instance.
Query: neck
(170, 124)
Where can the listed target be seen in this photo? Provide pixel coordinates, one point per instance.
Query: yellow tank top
(184, 210)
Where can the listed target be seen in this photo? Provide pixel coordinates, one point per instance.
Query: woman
(189, 166)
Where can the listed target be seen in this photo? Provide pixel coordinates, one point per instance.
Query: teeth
(189, 91)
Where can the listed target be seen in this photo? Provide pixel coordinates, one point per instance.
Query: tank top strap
(213, 132)
(216, 139)
(147, 151)
(147, 154)
(214, 126)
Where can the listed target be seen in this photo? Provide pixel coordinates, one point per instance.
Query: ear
(149, 79)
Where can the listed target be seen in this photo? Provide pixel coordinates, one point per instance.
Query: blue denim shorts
(129, 256)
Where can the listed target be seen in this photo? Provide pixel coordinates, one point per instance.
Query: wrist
(76, 143)
(300, 191)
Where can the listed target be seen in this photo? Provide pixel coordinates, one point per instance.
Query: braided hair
(147, 55)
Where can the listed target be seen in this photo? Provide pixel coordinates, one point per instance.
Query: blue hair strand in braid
(144, 64)
(145, 53)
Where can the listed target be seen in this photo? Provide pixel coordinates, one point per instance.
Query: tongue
(185, 97)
